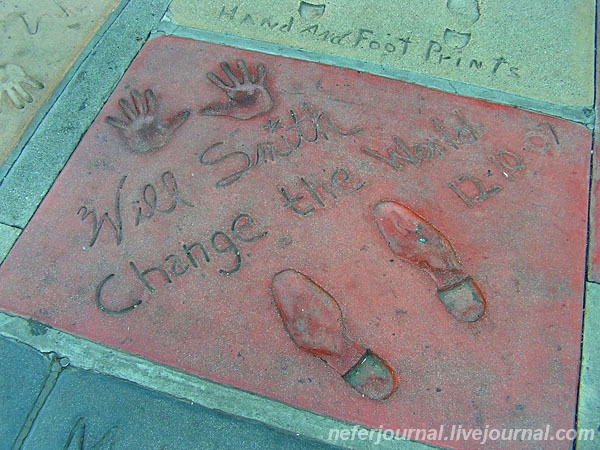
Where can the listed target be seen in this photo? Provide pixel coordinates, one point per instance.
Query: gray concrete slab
(588, 414)
(8, 236)
(23, 372)
(49, 148)
(40, 42)
(57, 89)
(584, 115)
(88, 410)
(493, 45)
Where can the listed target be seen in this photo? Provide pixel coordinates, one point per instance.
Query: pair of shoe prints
(236, 214)
(314, 321)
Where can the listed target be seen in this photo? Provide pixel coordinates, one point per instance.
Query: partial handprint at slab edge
(12, 82)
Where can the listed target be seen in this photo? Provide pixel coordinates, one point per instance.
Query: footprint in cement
(313, 320)
(310, 11)
(413, 239)
(465, 13)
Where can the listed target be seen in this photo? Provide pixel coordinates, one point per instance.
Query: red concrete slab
(594, 244)
(360, 247)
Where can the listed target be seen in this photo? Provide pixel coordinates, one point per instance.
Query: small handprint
(247, 96)
(143, 130)
(12, 79)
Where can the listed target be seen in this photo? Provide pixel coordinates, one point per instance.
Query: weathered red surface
(165, 242)
(313, 320)
(594, 245)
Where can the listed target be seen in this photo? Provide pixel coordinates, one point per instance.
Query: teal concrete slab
(49, 148)
(91, 356)
(8, 236)
(23, 372)
(588, 415)
(86, 410)
(594, 227)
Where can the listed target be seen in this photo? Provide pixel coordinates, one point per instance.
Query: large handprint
(12, 79)
(143, 130)
(247, 96)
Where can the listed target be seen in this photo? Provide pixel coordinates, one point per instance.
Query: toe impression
(313, 320)
(413, 239)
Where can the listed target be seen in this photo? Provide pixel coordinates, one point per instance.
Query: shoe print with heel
(314, 322)
(414, 240)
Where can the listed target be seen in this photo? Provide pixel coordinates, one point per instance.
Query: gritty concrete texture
(236, 124)
(105, 360)
(522, 48)
(594, 226)
(23, 372)
(87, 410)
(8, 236)
(259, 166)
(39, 41)
(58, 134)
(588, 416)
